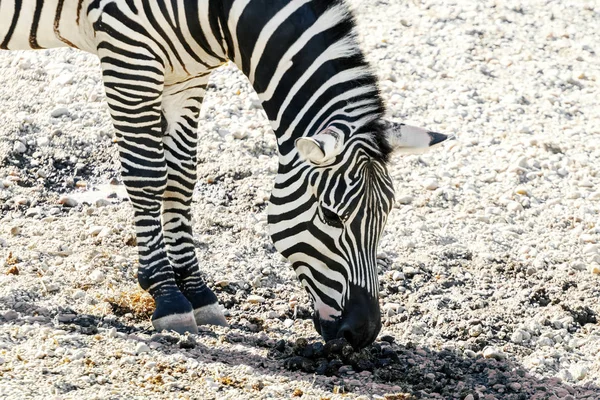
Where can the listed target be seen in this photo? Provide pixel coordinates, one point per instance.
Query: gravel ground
(489, 265)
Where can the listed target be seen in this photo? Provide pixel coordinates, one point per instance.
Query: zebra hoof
(210, 315)
(174, 312)
(180, 323)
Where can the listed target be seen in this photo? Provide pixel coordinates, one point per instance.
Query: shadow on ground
(419, 371)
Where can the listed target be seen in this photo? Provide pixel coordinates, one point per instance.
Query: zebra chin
(359, 323)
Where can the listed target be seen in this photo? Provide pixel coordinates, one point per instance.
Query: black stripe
(13, 24)
(39, 4)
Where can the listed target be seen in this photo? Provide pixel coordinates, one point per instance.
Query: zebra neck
(304, 62)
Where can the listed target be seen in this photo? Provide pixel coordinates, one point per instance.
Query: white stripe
(268, 30)
(329, 19)
(234, 17)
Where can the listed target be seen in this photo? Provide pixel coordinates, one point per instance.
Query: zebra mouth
(359, 324)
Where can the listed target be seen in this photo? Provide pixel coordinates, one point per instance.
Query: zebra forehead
(367, 186)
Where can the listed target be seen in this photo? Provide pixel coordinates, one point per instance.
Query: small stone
(594, 268)
(405, 200)
(187, 342)
(514, 206)
(586, 238)
(33, 212)
(288, 323)
(585, 183)
(10, 315)
(515, 386)
(64, 318)
(522, 190)
(591, 248)
(67, 201)
(97, 276)
(102, 203)
(43, 141)
(239, 134)
(409, 271)
(142, 348)
(578, 372)
(430, 184)
(19, 147)
(59, 112)
(519, 336)
(255, 299)
(493, 352)
(392, 309)
(95, 230)
(398, 276)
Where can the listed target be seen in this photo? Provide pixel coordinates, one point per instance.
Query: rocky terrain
(489, 265)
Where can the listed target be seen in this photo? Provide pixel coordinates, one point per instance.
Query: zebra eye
(331, 218)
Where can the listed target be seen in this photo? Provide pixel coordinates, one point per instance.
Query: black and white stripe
(332, 194)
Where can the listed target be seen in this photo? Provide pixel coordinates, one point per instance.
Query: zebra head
(327, 212)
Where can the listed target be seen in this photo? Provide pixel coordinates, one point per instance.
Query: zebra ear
(411, 139)
(319, 148)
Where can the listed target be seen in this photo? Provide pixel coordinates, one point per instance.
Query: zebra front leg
(181, 107)
(134, 91)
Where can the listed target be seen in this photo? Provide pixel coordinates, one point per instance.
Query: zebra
(332, 193)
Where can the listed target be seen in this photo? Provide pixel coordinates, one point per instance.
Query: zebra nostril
(346, 333)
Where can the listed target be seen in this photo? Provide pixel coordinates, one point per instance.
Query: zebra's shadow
(420, 371)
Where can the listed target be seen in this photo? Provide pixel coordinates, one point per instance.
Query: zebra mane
(376, 127)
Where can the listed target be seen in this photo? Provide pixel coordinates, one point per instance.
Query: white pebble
(67, 201)
(578, 372)
(522, 190)
(43, 141)
(594, 268)
(142, 348)
(594, 196)
(59, 112)
(19, 147)
(95, 230)
(255, 299)
(493, 352)
(591, 248)
(514, 206)
(405, 200)
(398, 276)
(288, 323)
(430, 184)
(97, 276)
(586, 238)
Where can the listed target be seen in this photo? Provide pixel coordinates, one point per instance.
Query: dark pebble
(333, 366)
(280, 345)
(187, 342)
(321, 367)
(334, 347)
(298, 363)
(388, 338)
(307, 352)
(318, 349)
(347, 351)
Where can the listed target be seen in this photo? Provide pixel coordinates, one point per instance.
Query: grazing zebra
(332, 193)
